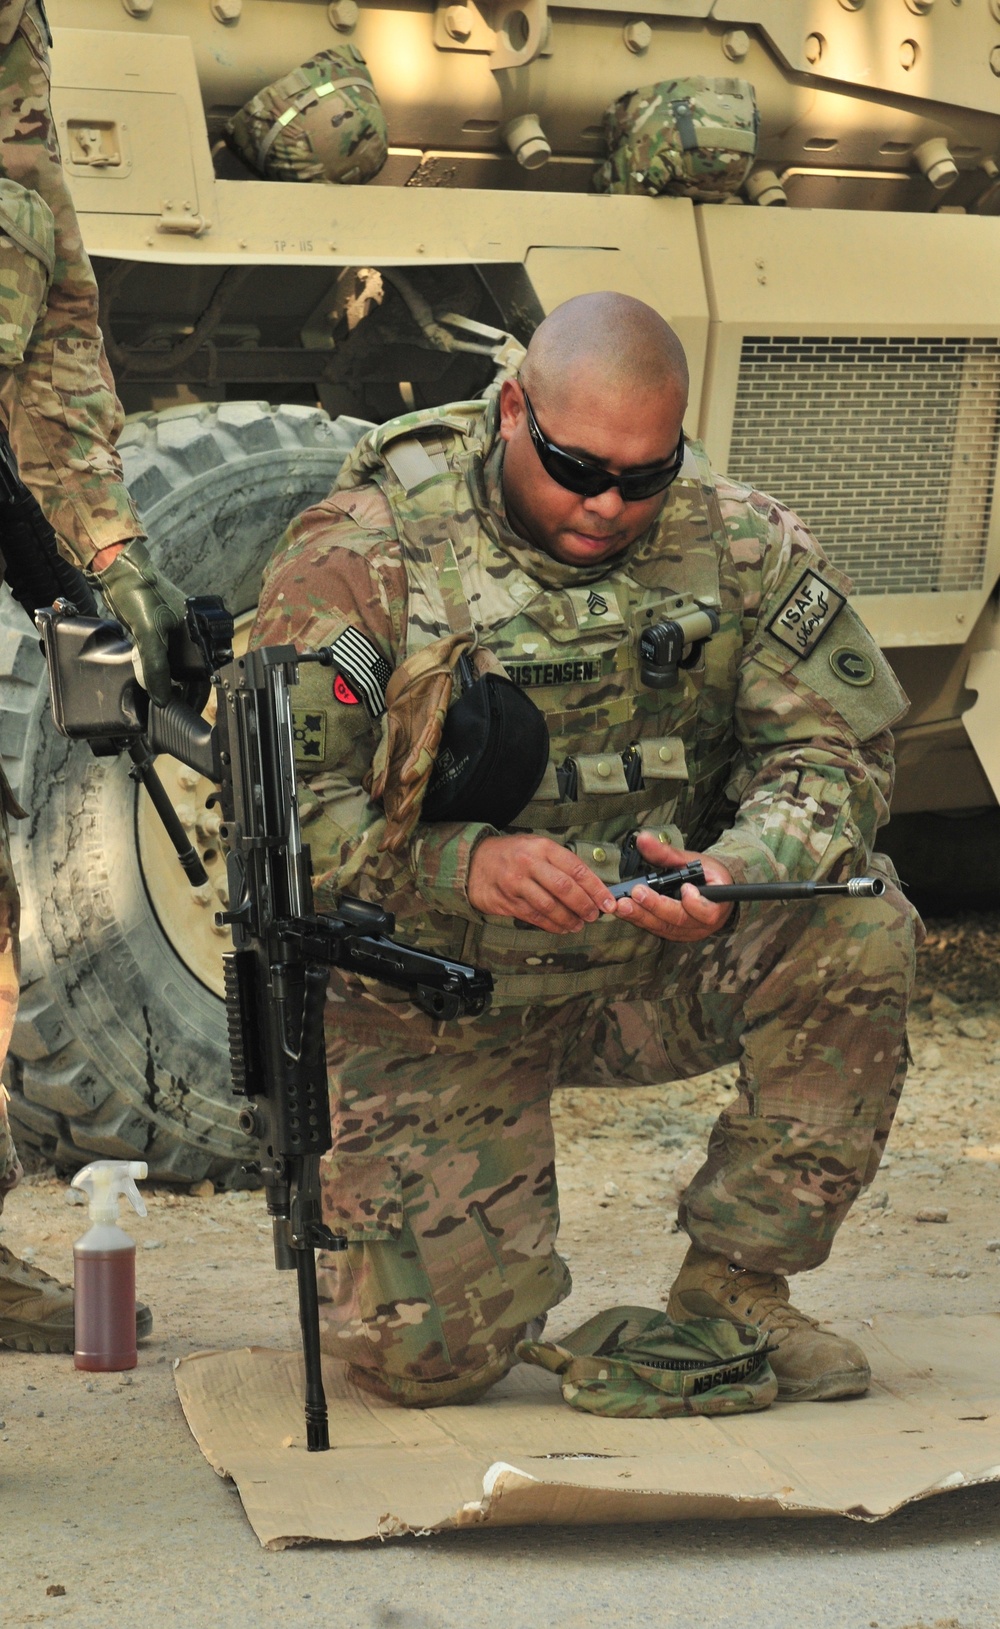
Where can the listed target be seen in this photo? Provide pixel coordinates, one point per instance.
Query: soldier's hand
(537, 881)
(687, 919)
(150, 607)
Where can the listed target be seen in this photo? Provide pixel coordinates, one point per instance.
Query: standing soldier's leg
(36, 1311)
(59, 404)
(443, 1179)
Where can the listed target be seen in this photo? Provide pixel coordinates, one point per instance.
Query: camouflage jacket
(11, 12)
(787, 711)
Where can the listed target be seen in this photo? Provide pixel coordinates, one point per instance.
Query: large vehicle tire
(119, 1049)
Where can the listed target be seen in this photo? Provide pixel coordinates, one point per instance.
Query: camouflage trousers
(59, 404)
(443, 1169)
(10, 917)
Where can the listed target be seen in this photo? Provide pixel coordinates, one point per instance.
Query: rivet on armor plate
(342, 15)
(638, 37)
(458, 22)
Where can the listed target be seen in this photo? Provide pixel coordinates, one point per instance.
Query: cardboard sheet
(520, 1456)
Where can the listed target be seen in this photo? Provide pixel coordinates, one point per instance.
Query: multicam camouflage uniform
(59, 403)
(442, 1174)
(57, 397)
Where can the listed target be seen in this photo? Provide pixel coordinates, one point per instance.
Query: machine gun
(277, 974)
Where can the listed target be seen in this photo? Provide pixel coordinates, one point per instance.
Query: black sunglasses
(588, 480)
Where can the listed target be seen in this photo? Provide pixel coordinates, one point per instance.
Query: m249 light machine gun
(276, 977)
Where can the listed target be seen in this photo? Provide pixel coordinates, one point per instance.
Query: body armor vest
(622, 756)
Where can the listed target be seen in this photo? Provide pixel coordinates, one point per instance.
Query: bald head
(605, 382)
(621, 341)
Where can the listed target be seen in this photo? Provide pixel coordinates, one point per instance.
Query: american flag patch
(364, 667)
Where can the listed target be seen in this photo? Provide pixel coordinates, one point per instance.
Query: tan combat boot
(36, 1311)
(812, 1365)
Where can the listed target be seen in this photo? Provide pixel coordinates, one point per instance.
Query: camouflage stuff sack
(321, 122)
(695, 137)
(631, 1363)
(27, 259)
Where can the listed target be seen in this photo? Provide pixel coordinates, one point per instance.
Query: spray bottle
(104, 1268)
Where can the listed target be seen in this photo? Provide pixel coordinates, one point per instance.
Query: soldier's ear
(511, 408)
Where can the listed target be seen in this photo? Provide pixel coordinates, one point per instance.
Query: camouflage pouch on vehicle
(27, 259)
(632, 1363)
(695, 137)
(321, 122)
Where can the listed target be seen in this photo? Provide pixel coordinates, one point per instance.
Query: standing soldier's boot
(36, 1311)
(812, 1364)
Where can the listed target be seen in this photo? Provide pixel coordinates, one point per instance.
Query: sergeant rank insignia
(800, 623)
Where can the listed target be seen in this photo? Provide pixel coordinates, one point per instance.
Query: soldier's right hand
(149, 605)
(536, 881)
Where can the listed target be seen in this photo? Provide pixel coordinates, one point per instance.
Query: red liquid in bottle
(104, 1309)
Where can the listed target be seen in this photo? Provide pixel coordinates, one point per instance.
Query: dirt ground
(106, 1504)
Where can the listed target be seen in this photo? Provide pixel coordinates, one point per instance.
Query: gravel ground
(108, 1509)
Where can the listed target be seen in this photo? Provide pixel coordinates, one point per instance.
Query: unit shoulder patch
(309, 731)
(810, 609)
(852, 665)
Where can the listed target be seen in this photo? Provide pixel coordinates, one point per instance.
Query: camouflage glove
(150, 607)
(417, 699)
(631, 1363)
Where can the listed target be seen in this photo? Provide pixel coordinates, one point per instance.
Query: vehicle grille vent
(885, 447)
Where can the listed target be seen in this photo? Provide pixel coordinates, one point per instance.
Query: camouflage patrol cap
(27, 259)
(321, 122)
(632, 1363)
(696, 137)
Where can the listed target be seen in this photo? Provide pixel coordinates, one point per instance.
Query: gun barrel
(857, 887)
(671, 883)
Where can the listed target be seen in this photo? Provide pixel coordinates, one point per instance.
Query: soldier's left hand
(684, 920)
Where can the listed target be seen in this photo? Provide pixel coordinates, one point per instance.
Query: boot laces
(36, 1274)
(763, 1299)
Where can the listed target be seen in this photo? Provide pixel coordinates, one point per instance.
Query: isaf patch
(810, 609)
(362, 670)
(309, 732)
